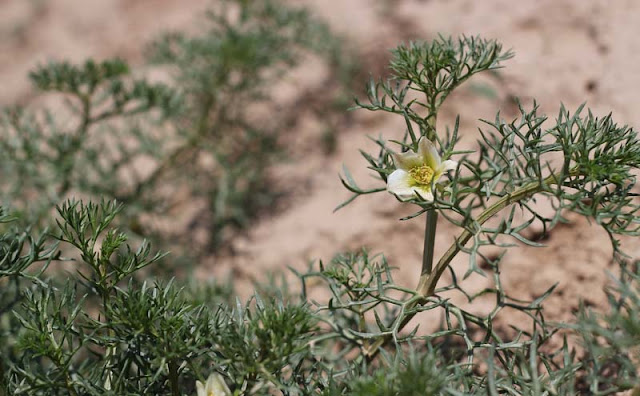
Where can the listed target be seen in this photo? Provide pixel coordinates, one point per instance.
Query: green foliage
(583, 163)
(612, 339)
(102, 332)
(20, 253)
(413, 376)
(433, 69)
(225, 74)
(51, 159)
(366, 306)
(152, 339)
(260, 347)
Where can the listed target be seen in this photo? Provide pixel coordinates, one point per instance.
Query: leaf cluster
(425, 73)
(103, 332)
(50, 159)
(612, 339)
(580, 162)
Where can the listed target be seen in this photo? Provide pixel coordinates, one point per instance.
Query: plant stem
(429, 241)
(179, 154)
(432, 215)
(173, 378)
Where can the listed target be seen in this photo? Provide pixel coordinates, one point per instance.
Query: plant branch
(179, 153)
(426, 289)
(428, 281)
(75, 145)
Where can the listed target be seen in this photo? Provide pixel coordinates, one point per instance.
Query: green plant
(611, 339)
(102, 332)
(582, 163)
(225, 74)
(126, 138)
(50, 159)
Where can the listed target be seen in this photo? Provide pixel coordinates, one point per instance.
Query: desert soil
(567, 51)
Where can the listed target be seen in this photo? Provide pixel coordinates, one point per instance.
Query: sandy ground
(567, 51)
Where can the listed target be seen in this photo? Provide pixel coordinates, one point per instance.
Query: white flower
(215, 386)
(416, 171)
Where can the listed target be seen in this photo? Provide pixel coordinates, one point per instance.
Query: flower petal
(448, 165)
(398, 183)
(200, 389)
(407, 160)
(215, 386)
(428, 153)
(211, 382)
(422, 192)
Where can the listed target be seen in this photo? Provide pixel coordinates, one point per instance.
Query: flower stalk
(429, 242)
(432, 215)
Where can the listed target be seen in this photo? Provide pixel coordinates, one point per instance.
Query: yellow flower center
(422, 175)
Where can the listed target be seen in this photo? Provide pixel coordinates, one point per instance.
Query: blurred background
(256, 192)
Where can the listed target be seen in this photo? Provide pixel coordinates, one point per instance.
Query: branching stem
(427, 287)
(76, 144)
(429, 280)
(180, 153)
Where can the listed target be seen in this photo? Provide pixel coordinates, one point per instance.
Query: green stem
(429, 241)
(104, 288)
(432, 215)
(173, 378)
(111, 349)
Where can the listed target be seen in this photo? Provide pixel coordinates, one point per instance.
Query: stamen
(422, 175)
